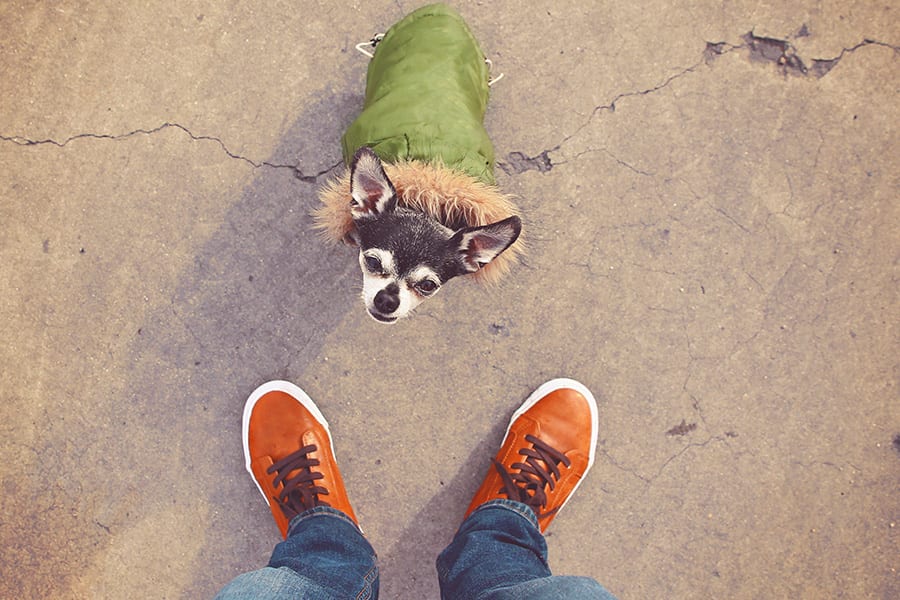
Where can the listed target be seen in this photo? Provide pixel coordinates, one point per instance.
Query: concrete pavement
(710, 196)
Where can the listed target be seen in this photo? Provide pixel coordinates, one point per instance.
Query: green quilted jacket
(426, 95)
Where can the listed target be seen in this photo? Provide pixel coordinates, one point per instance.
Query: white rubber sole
(276, 386)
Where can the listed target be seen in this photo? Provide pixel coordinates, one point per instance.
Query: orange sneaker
(288, 452)
(548, 448)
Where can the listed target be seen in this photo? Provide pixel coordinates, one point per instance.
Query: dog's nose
(386, 303)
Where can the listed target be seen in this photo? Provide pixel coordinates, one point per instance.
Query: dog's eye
(373, 264)
(427, 287)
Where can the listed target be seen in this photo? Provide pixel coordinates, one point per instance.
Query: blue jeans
(498, 554)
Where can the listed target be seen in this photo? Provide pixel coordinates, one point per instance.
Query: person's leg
(323, 557)
(289, 453)
(499, 551)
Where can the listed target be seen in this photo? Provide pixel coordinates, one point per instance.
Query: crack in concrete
(681, 429)
(688, 446)
(784, 54)
(518, 162)
(618, 160)
(297, 172)
(762, 49)
(611, 106)
(648, 480)
(825, 463)
(722, 212)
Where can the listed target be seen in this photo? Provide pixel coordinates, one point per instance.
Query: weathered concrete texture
(711, 201)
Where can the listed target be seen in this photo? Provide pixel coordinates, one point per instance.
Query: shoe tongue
(309, 439)
(296, 501)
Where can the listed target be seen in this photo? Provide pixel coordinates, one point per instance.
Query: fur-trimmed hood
(449, 196)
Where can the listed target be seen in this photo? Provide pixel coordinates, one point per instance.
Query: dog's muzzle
(385, 303)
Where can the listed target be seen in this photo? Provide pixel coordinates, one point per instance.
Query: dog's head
(406, 255)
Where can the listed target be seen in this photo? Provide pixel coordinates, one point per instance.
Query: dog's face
(405, 255)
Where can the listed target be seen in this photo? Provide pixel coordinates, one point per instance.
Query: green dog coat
(426, 95)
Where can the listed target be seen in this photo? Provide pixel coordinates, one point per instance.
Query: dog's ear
(371, 191)
(478, 246)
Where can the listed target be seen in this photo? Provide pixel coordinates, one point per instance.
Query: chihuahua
(406, 255)
(431, 211)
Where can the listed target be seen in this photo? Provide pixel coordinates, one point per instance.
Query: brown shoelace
(527, 481)
(300, 491)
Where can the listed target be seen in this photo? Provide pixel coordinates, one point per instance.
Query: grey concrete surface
(710, 194)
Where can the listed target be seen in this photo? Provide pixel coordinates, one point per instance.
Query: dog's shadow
(258, 301)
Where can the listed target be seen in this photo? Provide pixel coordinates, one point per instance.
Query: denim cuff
(320, 511)
(521, 509)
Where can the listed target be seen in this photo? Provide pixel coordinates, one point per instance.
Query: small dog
(405, 254)
(431, 211)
